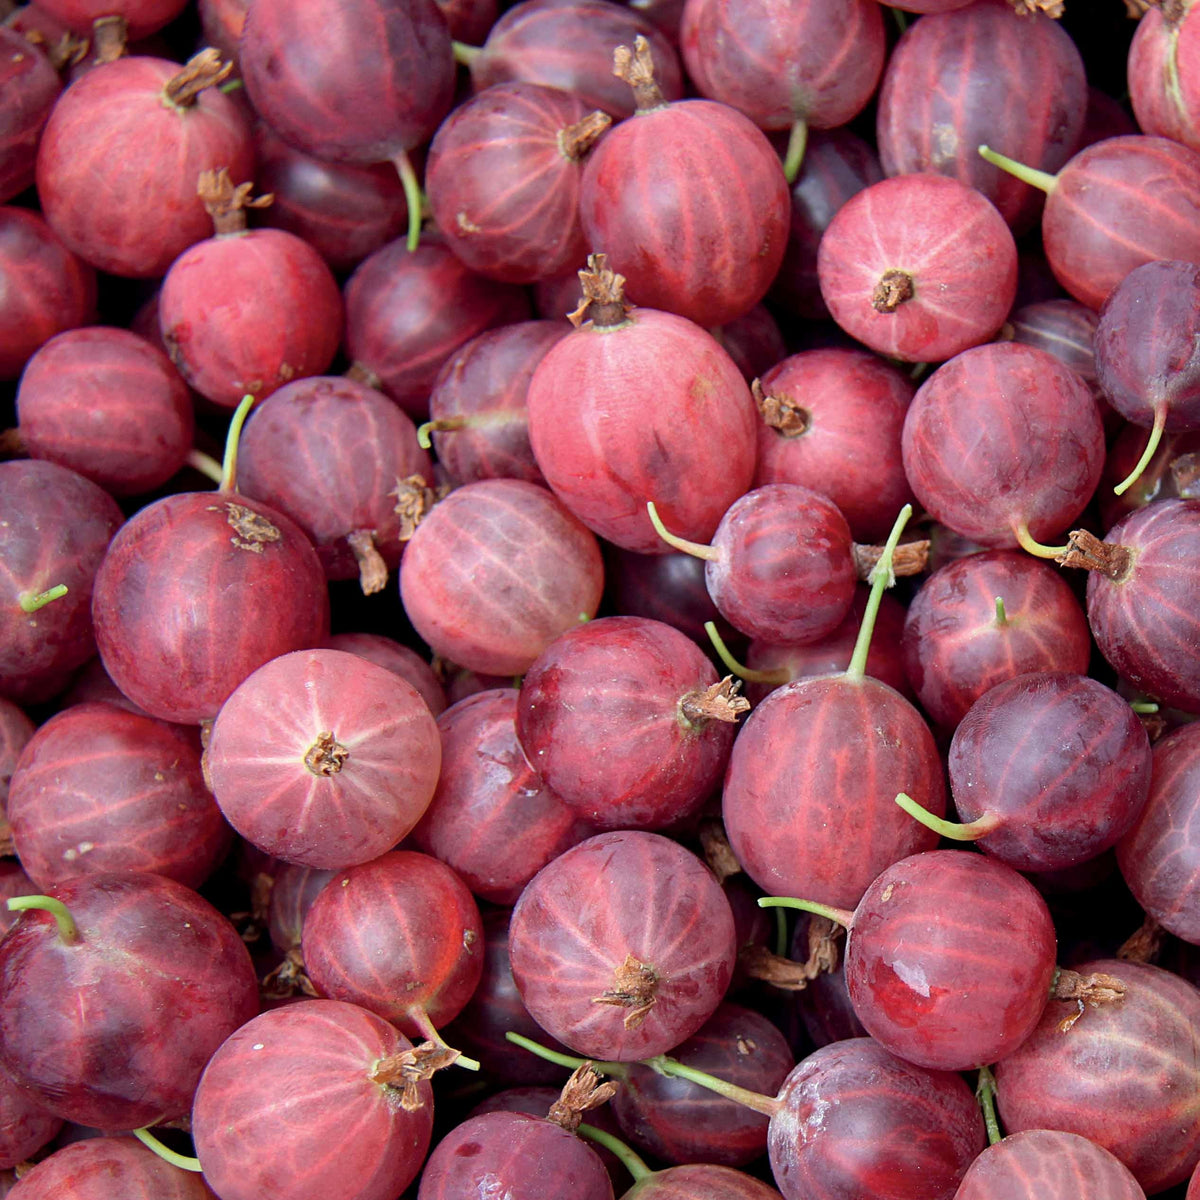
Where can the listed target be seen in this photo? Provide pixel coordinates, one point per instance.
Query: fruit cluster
(447, 388)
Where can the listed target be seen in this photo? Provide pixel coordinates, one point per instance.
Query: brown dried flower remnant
(326, 756)
(250, 925)
(720, 702)
(1088, 991)
(1145, 943)
(718, 853)
(227, 203)
(372, 569)
(908, 558)
(580, 1093)
(634, 987)
(603, 301)
(636, 68)
(109, 35)
(779, 413)
(203, 70)
(576, 140)
(414, 499)
(1173, 11)
(893, 288)
(1048, 8)
(759, 963)
(1086, 551)
(288, 978)
(410, 1068)
(251, 530)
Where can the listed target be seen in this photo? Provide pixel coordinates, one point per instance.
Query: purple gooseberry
(623, 946)
(624, 719)
(291, 1072)
(323, 759)
(115, 991)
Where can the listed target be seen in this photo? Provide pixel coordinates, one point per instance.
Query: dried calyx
(823, 954)
(908, 558)
(779, 413)
(1087, 991)
(893, 288)
(719, 702)
(372, 569)
(1086, 551)
(251, 923)
(406, 1071)
(603, 303)
(636, 68)
(109, 37)
(326, 756)
(66, 51)
(226, 203)
(576, 140)
(414, 499)
(583, 1091)
(203, 70)
(1145, 943)
(718, 853)
(288, 978)
(1046, 8)
(634, 987)
(251, 530)
(1173, 11)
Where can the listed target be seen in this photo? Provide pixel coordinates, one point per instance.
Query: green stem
(67, 929)
(412, 197)
(797, 144)
(1027, 543)
(1001, 615)
(985, 1093)
(441, 425)
(232, 438)
(420, 1018)
(565, 1060)
(957, 831)
(919, 370)
(182, 1161)
(628, 1158)
(696, 549)
(465, 55)
(205, 464)
(1030, 175)
(30, 602)
(839, 916)
(1144, 707)
(768, 1106)
(1156, 432)
(881, 578)
(781, 931)
(778, 676)
(901, 19)
(231, 85)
